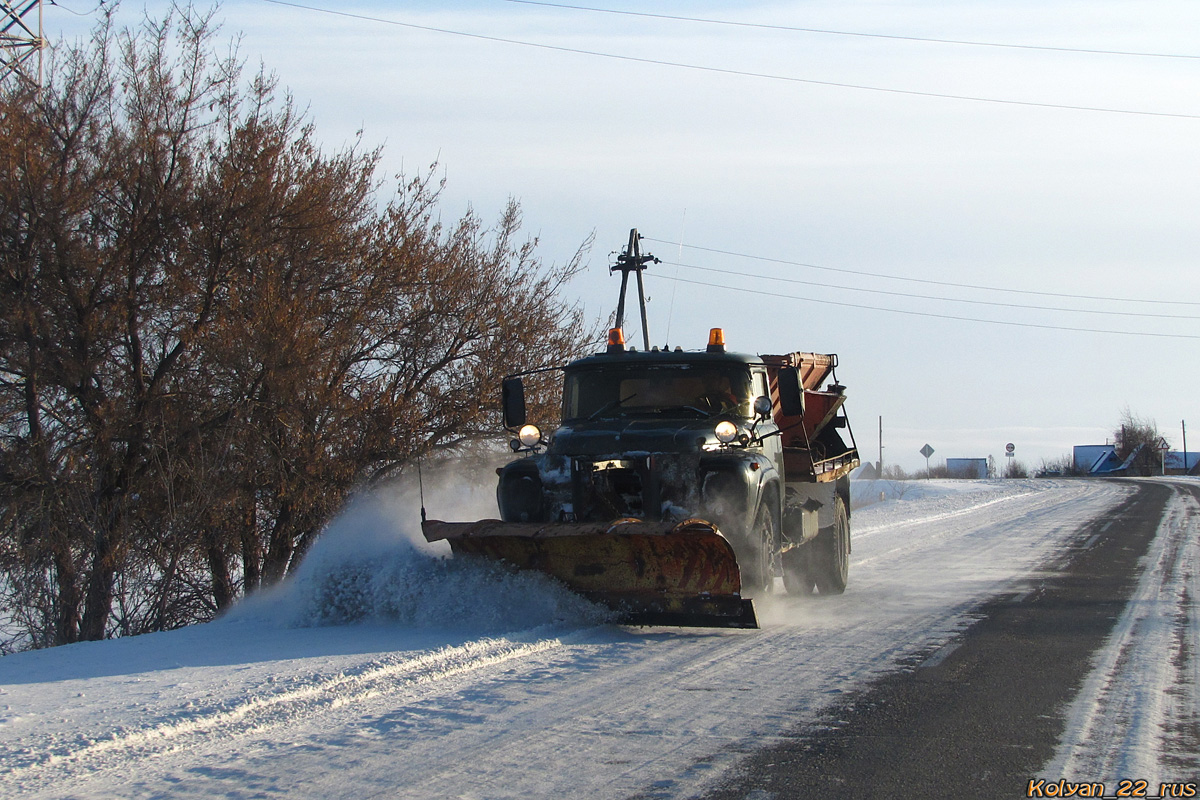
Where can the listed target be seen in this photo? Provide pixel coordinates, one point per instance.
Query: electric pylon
(21, 40)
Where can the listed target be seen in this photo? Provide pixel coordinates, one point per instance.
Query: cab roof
(665, 358)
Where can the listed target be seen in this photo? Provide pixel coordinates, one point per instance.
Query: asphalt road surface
(981, 715)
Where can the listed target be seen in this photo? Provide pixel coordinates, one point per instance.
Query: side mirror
(512, 398)
(791, 395)
(762, 407)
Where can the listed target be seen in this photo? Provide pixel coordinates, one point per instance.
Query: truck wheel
(759, 576)
(832, 554)
(797, 571)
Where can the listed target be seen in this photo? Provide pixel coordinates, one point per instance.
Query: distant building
(1101, 459)
(967, 467)
(1173, 463)
(1097, 459)
(866, 472)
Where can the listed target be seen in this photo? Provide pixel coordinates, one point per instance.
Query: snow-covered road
(481, 685)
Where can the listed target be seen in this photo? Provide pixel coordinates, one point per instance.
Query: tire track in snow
(1029, 505)
(973, 508)
(256, 713)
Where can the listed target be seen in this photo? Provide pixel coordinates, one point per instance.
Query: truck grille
(654, 487)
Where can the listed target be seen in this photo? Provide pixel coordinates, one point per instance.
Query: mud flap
(650, 573)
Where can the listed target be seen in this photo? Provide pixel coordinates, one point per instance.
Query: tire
(758, 578)
(797, 571)
(832, 554)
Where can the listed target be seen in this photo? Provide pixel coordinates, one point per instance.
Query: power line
(830, 32)
(1009, 323)
(99, 5)
(741, 73)
(933, 297)
(927, 281)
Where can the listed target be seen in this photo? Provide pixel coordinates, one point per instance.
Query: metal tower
(21, 39)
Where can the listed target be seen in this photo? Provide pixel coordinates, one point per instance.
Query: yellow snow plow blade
(650, 573)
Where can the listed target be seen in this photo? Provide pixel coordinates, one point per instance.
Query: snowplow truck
(679, 484)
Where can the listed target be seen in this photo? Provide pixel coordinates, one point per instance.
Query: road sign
(1162, 445)
(927, 451)
(1009, 448)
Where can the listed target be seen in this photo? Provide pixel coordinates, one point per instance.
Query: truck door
(772, 446)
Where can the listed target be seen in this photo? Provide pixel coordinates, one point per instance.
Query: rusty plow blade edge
(650, 573)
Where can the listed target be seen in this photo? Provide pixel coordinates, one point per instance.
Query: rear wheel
(831, 555)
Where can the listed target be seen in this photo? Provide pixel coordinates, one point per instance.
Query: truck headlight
(529, 435)
(726, 431)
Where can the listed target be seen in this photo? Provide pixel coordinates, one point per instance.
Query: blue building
(1099, 459)
(967, 467)
(1173, 463)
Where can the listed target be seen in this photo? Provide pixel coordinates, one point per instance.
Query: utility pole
(879, 466)
(632, 260)
(1183, 424)
(19, 43)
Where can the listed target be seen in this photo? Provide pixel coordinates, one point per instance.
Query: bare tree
(92, 215)
(1138, 438)
(212, 331)
(1015, 469)
(1062, 466)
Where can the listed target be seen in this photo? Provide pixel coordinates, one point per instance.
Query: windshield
(703, 389)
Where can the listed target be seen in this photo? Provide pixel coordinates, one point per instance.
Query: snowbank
(371, 564)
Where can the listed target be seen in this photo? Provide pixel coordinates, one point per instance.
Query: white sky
(1026, 198)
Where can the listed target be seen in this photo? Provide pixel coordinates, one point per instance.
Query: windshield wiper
(609, 406)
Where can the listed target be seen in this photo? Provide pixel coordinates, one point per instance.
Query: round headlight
(726, 431)
(529, 435)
